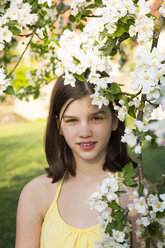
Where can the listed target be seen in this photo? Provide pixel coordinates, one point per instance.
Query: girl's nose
(85, 130)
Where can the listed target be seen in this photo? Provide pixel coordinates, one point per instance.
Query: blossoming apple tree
(102, 27)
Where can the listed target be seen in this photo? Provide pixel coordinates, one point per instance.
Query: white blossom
(59, 71)
(100, 206)
(148, 137)
(158, 128)
(132, 31)
(162, 196)
(122, 113)
(158, 207)
(99, 100)
(13, 11)
(69, 79)
(138, 149)
(140, 205)
(5, 34)
(118, 236)
(129, 138)
(1, 46)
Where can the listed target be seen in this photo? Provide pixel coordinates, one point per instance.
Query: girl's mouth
(87, 145)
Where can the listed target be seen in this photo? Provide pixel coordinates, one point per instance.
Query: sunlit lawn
(22, 158)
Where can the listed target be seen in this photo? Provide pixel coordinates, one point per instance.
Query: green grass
(22, 158)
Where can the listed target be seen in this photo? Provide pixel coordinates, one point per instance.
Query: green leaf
(131, 111)
(152, 228)
(109, 49)
(80, 77)
(109, 228)
(109, 96)
(98, 2)
(15, 30)
(57, 42)
(34, 6)
(43, 12)
(45, 33)
(151, 15)
(113, 52)
(140, 191)
(124, 19)
(113, 204)
(91, 6)
(120, 30)
(72, 18)
(12, 23)
(128, 170)
(130, 182)
(96, 43)
(151, 189)
(9, 90)
(76, 61)
(160, 215)
(115, 88)
(80, 26)
(87, 12)
(119, 215)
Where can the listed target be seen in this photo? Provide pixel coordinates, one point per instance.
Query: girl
(82, 144)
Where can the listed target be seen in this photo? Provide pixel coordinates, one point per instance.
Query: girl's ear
(115, 122)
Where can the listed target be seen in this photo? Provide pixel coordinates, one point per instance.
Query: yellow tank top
(56, 233)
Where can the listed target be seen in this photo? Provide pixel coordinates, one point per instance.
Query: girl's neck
(90, 172)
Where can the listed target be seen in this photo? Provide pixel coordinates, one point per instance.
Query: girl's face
(87, 129)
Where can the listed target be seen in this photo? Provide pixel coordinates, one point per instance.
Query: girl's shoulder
(40, 192)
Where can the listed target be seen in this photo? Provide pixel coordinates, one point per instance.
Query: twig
(129, 94)
(152, 242)
(147, 243)
(153, 104)
(32, 35)
(123, 37)
(96, 16)
(25, 35)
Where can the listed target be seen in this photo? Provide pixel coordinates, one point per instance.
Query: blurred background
(22, 127)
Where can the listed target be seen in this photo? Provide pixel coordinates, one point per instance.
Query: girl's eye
(71, 120)
(97, 118)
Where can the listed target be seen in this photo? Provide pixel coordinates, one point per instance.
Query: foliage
(38, 25)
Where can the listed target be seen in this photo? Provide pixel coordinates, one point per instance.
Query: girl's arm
(29, 217)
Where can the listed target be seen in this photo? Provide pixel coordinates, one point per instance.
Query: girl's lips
(87, 145)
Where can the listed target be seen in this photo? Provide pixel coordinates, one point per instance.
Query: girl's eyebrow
(68, 116)
(95, 113)
(99, 112)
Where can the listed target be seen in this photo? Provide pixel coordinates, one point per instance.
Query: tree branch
(160, 23)
(96, 16)
(140, 160)
(32, 35)
(25, 35)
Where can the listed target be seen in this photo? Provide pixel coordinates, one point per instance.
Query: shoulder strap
(116, 176)
(59, 188)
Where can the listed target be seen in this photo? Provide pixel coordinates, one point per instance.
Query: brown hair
(58, 153)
